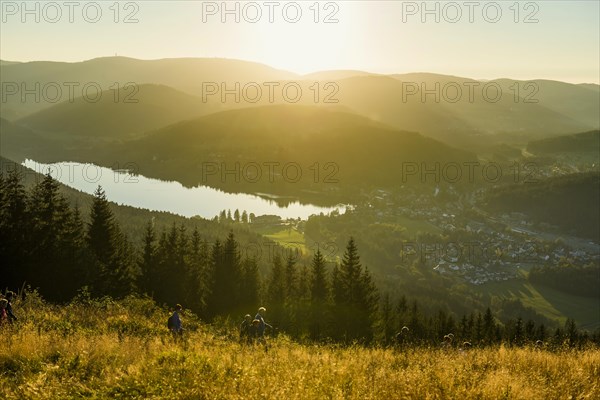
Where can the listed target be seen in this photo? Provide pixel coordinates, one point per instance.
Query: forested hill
(331, 151)
(139, 108)
(586, 142)
(570, 202)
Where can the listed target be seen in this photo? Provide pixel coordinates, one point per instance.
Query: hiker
(174, 323)
(447, 343)
(260, 324)
(247, 331)
(9, 311)
(402, 337)
(3, 313)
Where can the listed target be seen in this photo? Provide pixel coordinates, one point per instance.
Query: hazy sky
(478, 39)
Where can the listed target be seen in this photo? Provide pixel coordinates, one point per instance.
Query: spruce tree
(49, 214)
(148, 262)
(14, 225)
(101, 229)
(276, 295)
(250, 287)
(355, 297)
(226, 277)
(114, 272)
(196, 290)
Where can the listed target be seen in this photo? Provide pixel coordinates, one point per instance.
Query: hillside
(570, 202)
(467, 121)
(522, 113)
(351, 150)
(121, 349)
(586, 142)
(17, 142)
(129, 111)
(183, 74)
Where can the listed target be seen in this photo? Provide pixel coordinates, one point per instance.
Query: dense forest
(570, 202)
(48, 245)
(580, 280)
(586, 142)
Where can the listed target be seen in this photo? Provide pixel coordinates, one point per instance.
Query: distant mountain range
(465, 112)
(184, 74)
(365, 126)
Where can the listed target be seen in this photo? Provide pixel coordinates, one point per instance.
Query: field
(107, 349)
(293, 241)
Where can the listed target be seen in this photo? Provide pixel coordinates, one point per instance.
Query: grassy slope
(121, 350)
(549, 302)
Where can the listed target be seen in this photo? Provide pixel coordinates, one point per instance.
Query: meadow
(108, 349)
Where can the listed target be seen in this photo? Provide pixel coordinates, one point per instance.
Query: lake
(139, 191)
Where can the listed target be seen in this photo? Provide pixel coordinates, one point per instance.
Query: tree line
(47, 244)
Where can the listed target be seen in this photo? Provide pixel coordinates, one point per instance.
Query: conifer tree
(355, 298)
(148, 263)
(276, 295)
(14, 225)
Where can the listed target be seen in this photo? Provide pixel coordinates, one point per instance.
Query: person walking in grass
(3, 313)
(261, 325)
(247, 331)
(9, 311)
(175, 325)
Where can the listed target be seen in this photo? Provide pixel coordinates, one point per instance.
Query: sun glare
(306, 46)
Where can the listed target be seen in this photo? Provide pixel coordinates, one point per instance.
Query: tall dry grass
(121, 350)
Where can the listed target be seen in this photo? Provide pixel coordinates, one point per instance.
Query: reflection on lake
(138, 191)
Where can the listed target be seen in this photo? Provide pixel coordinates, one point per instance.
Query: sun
(305, 46)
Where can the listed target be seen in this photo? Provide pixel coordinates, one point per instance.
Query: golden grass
(97, 358)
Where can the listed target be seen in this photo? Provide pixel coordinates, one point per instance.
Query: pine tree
(226, 266)
(216, 284)
(291, 278)
(571, 333)
(196, 287)
(518, 333)
(14, 225)
(115, 264)
(149, 279)
(355, 297)
(50, 215)
(276, 291)
(101, 229)
(303, 311)
(319, 287)
(250, 284)
(478, 328)
(416, 325)
(386, 319)
(541, 332)
(77, 258)
(489, 327)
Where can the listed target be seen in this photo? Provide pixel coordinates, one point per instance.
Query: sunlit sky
(375, 36)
